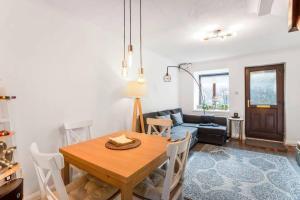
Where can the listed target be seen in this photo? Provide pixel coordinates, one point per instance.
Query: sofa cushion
(190, 125)
(177, 119)
(219, 130)
(164, 112)
(176, 110)
(180, 131)
(172, 111)
(207, 119)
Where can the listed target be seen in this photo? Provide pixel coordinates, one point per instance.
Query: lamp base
(137, 109)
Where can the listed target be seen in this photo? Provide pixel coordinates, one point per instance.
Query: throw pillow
(177, 119)
(164, 113)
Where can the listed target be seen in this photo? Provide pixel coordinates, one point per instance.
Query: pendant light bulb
(130, 55)
(124, 71)
(141, 76)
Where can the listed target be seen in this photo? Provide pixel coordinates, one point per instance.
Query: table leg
(126, 192)
(66, 173)
(230, 129)
(241, 131)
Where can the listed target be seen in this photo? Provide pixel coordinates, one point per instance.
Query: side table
(239, 122)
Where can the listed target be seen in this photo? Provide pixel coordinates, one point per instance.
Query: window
(214, 90)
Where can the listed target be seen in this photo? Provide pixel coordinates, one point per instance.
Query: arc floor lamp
(181, 67)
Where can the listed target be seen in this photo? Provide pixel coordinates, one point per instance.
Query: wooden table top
(120, 165)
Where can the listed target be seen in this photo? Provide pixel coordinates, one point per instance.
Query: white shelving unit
(5, 124)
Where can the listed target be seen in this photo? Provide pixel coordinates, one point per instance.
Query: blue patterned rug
(222, 173)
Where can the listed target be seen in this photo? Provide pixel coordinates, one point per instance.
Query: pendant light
(124, 62)
(130, 47)
(141, 68)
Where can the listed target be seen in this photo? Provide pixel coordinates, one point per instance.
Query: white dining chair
(76, 132)
(164, 126)
(167, 184)
(48, 167)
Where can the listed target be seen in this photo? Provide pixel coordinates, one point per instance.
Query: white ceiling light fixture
(218, 34)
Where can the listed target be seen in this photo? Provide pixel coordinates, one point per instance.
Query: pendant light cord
(141, 56)
(130, 21)
(124, 33)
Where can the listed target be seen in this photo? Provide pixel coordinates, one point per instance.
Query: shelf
(4, 120)
(2, 138)
(7, 97)
(9, 172)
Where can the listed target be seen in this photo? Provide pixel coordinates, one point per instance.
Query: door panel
(265, 102)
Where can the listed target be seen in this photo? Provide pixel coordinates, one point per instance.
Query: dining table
(123, 169)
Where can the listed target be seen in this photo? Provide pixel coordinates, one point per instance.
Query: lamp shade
(135, 89)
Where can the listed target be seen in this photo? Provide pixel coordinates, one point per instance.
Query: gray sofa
(206, 129)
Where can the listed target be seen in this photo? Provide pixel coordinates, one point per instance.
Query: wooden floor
(259, 146)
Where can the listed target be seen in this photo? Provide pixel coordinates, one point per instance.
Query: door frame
(280, 68)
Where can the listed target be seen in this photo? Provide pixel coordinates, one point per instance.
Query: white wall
(236, 68)
(62, 69)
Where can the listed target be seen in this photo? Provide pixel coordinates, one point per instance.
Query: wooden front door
(265, 102)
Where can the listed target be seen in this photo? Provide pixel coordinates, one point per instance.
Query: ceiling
(173, 28)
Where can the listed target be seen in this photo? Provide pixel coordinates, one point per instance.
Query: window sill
(211, 111)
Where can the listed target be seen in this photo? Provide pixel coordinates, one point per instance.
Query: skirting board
(33, 196)
(290, 143)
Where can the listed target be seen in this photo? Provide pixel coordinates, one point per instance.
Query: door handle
(248, 103)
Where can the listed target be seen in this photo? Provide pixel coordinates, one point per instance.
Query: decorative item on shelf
(235, 115)
(5, 133)
(6, 156)
(136, 90)
(3, 146)
(7, 97)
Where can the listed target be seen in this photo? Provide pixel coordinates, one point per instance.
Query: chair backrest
(49, 166)
(163, 124)
(177, 153)
(78, 131)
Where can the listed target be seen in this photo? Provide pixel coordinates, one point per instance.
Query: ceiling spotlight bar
(218, 34)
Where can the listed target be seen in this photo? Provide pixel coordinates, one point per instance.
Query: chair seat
(90, 188)
(151, 188)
